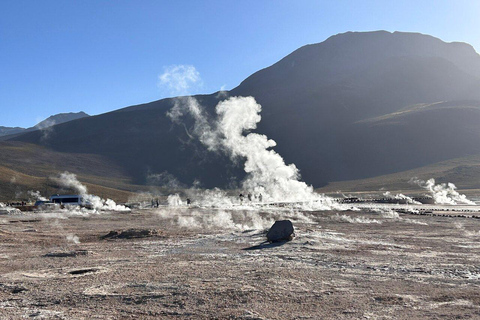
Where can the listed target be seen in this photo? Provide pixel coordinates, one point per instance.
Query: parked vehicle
(70, 200)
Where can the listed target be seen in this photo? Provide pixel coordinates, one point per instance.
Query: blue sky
(98, 56)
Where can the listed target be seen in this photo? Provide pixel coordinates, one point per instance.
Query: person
(189, 201)
(157, 203)
(241, 197)
(249, 197)
(260, 197)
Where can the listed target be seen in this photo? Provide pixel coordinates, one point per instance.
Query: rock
(130, 234)
(12, 288)
(281, 231)
(62, 254)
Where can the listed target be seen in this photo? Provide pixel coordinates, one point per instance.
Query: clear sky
(97, 56)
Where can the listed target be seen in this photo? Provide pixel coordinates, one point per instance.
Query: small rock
(62, 254)
(130, 234)
(281, 231)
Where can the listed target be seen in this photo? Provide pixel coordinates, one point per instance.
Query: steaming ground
(193, 263)
(209, 260)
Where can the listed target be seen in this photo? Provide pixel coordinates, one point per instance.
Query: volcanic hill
(358, 105)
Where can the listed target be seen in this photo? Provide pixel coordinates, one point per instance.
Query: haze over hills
(358, 105)
(5, 131)
(50, 121)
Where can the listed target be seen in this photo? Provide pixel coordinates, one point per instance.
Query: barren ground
(350, 265)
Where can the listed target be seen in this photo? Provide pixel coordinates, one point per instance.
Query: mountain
(5, 131)
(358, 105)
(60, 118)
(50, 121)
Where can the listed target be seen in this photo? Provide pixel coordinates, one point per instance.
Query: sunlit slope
(411, 139)
(347, 108)
(27, 167)
(142, 141)
(463, 172)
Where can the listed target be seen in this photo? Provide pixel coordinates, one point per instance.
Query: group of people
(156, 204)
(16, 204)
(250, 197)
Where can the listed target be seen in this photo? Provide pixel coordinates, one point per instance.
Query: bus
(70, 200)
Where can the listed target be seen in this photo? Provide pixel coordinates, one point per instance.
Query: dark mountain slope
(323, 104)
(144, 142)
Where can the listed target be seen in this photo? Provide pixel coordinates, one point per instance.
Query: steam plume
(267, 173)
(400, 196)
(69, 180)
(36, 195)
(73, 238)
(5, 209)
(46, 128)
(444, 193)
(174, 200)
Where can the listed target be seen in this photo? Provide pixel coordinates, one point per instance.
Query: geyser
(267, 173)
(442, 193)
(69, 180)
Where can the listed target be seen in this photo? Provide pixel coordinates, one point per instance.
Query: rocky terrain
(213, 264)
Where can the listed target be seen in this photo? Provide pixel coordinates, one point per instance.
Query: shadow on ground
(265, 245)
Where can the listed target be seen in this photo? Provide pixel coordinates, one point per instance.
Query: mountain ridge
(50, 121)
(316, 103)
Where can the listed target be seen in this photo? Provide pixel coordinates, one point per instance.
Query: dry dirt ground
(193, 264)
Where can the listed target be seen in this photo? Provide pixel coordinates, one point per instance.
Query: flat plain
(213, 264)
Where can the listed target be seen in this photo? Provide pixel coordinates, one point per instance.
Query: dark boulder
(130, 234)
(62, 254)
(281, 231)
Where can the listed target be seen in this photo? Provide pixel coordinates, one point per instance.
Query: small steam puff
(361, 220)
(5, 209)
(179, 79)
(400, 196)
(69, 180)
(239, 220)
(174, 200)
(73, 238)
(36, 195)
(444, 193)
(267, 173)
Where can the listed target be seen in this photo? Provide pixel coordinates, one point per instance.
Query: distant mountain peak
(5, 131)
(50, 121)
(60, 118)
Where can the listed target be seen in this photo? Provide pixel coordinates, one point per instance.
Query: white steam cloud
(73, 238)
(5, 209)
(164, 179)
(180, 79)
(238, 220)
(400, 196)
(69, 180)
(444, 193)
(267, 173)
(36, 195)
(361, 220)
(174, 200)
